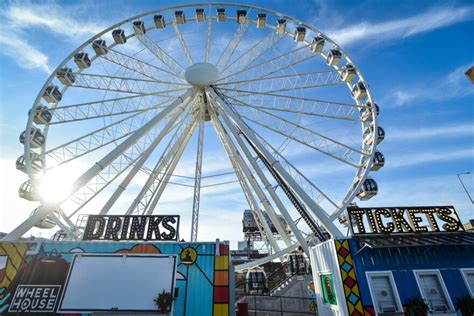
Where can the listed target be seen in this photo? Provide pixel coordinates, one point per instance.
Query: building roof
(417, 240)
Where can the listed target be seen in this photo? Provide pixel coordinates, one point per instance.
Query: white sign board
(118, 282)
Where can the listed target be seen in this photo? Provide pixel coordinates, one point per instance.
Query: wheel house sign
(403, 220)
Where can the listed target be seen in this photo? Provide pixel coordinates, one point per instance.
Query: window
(384, 292)
(468, 275)
(3, 267)
(433, 291)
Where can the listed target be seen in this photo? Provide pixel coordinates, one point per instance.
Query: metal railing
(264, 305)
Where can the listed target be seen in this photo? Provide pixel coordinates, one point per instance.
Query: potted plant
(417, 307)
(163, 301)
(466, 305)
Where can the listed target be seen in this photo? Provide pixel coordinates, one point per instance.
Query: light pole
(462, 183)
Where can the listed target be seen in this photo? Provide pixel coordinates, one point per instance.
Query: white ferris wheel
(293, 112)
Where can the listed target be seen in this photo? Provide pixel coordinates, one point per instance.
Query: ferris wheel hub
(201, 74)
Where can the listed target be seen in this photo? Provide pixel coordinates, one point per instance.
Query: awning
(417, 240)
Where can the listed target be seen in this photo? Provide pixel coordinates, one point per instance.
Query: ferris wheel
(293, 112)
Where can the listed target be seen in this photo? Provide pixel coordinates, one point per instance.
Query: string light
(384, 229)
(415, 220)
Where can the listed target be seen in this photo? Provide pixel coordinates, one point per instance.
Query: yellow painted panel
(222, 263)
(221, 309)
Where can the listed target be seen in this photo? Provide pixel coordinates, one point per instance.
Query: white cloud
(19, 21)
(401, 28)
(453, 86)
(429, 157)
(458, 130)
(22, 52)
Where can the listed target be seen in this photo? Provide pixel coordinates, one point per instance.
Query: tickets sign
(403, 220)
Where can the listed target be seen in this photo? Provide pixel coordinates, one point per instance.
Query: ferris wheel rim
(360, 174)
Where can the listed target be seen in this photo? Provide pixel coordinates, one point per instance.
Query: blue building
(380, 274)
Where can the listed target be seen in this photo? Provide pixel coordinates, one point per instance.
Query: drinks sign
(129, 227)
(403, 220)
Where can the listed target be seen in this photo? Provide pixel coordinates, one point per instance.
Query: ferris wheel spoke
(97, 139)
(252, 54)
(227, 53)
(273, 65)
(180, 137)
(291, 83)
(102, 109)
(140, 67)
(123, 84)
(300, 107)
(182, 42)
(162, 55)
(140, 162)
(198, 174)
(107, 169)
(305, 136)
(244, 180)
(208, 38)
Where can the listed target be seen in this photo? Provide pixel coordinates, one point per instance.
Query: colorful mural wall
(202, 278)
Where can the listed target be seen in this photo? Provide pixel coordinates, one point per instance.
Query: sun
(55, 186)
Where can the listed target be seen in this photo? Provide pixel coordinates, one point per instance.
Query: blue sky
(413, 56)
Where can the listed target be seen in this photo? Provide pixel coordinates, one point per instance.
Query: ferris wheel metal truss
(158, 103)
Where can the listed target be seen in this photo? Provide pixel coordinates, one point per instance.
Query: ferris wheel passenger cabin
(52, 94)
(300, 34)
(27, 191)
(139, 28)
(368, 189)
(159, 21)
(36, 138)
(221, 15)
(82, 60)
(261, 20)
(368, 139)
(36, 163)
(318, 44)
(65, 76)
(200, 15)
(378, 161)
(42, 115)
(47, 222)
(281, 27)
(241, 16)
(100, 47)
(256, 282)
(119, 36)
(348, 73)
(359, 91)
(334, 57)
(179, 17)
(366, 112)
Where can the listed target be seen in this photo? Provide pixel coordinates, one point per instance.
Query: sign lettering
(403, 220)
(140, 227)
(35, 298)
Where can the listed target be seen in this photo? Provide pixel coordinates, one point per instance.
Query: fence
(264, 305)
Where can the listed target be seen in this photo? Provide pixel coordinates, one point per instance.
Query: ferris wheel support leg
(171, 148)
(169, 171)
(24, 227)
(299, 236)
(197, 177)
(94, 170)
(323, 218)
(256, 187)
(243, 176)
(108, 205)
